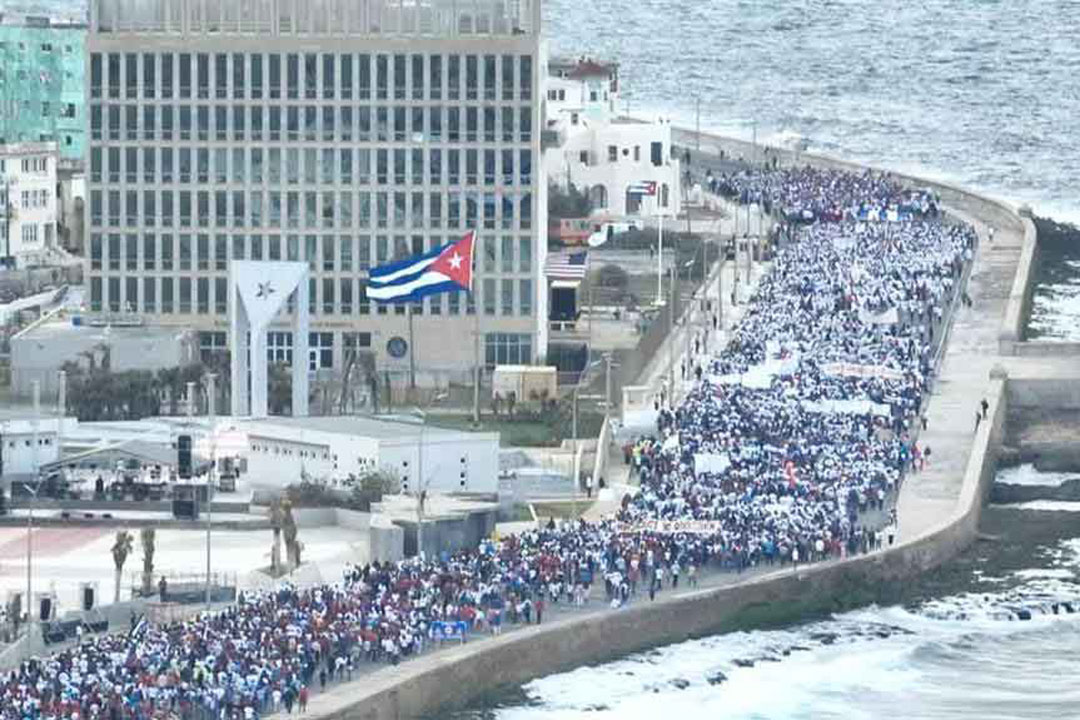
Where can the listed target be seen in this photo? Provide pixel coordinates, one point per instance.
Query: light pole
(30, 551)
(211, 411)
(421, 485)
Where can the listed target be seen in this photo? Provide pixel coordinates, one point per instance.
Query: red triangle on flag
(455, 262)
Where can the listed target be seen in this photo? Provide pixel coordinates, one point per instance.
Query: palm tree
(120, 550)
(146, 539)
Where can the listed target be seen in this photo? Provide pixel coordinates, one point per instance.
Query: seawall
(947, 524)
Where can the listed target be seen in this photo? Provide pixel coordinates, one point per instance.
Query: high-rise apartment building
(41, 83)
(342, 133)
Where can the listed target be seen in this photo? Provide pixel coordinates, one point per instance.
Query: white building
(592, 148)
(18, 452)
(28, 203)
(280, 451)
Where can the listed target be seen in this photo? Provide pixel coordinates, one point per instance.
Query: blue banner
(454, 630)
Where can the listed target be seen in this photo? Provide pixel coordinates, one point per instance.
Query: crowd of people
(807, 419)
(809, 194)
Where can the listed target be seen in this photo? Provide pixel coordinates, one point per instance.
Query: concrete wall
(1044, 393)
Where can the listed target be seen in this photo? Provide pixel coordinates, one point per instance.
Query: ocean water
(992, 637)
(985, 93)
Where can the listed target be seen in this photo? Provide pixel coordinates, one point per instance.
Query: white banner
(711, 463)
(671, 527)
(855, 370)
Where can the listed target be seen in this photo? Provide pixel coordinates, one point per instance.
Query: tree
(120, 550)
(279, 394)
(146, 539)
(569, 203)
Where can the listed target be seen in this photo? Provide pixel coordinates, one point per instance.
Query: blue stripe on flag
(420, 293)
(378, 274)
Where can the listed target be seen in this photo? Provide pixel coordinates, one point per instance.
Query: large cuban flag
(444, 269)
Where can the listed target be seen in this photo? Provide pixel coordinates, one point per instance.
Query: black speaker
(185, 510)
(46, 608)
(88, 598)
(183, 456)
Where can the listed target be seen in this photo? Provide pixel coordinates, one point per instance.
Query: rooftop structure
(437, 18)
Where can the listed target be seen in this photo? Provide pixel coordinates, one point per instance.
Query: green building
(42, 71)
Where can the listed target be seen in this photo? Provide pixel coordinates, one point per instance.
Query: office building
(342, 133)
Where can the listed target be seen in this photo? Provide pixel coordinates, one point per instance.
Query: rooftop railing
(434, 18)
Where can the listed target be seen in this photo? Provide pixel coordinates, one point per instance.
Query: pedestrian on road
(303, 698)
(978, 419)
(924, 422)
(985, 407)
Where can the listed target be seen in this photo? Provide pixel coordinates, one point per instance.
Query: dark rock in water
(799, 648)
(882, 633)
(786, 652)
(825, 638)
(597, 708)
(1004, 493)
(768, 658)
(1023, 614)
(717, 678)
(1068, 607)
(680, 683)
(744, 663)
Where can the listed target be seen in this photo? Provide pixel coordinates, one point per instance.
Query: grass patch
(524, 432)
(562, 509)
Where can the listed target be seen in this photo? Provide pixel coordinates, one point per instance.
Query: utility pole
(476, 367)
(607, 383)
(697, 106)
(575, 468)
(412, 351)
(671, 332)
(421, 491)
(211, 411)
(36, 480)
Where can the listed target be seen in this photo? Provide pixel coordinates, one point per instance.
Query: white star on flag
(455, 261)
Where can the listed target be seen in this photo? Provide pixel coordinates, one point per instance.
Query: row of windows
(184, 295)
(325, 253)
(309, 166)
(311, 75)
(308, 210)
(499, 348)
(35, 199)
(256, 123)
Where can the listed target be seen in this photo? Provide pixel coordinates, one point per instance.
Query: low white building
(601, 154)
(26, 447)
(280, 450)
(28, 204)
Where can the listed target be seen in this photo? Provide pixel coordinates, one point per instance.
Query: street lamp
(421, 485)
(30, 548)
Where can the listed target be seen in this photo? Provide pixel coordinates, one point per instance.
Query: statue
(292, 545)
(277, 518)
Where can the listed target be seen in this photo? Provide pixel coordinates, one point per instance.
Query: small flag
(567, 266)
(642, 187)
(444, 269)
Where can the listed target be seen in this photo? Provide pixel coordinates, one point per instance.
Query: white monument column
(300, 351)
(258, 292)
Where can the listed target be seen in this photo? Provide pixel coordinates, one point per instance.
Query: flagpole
(659, 255)
(412, 356)
(476, 334)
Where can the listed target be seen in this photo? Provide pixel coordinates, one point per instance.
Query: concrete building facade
(42, 72)
(337, 133)
(28, 204)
